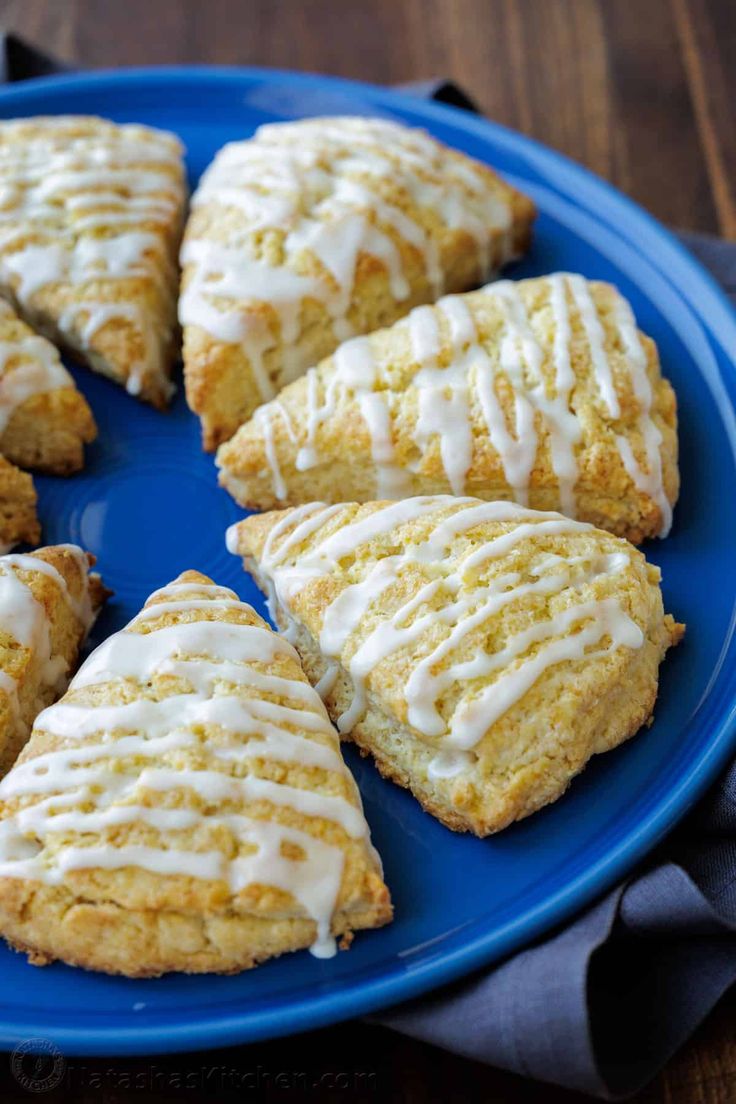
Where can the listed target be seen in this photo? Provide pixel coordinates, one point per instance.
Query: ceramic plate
(148, 506)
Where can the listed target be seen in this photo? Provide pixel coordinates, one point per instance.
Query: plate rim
(707, 300)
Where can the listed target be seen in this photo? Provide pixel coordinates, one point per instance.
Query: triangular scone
(481, 652)
(44, 420)
(541, 391)
(19, 522)
(48, 602)
(90, 221)
(185, 806)
(312, 231)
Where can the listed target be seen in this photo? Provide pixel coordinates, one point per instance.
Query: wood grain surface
(641, 91)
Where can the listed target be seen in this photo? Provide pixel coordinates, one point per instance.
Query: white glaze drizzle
(86, 319)
(443, 397)
(326, 683)
(449, 605)
(92, 786)
(29, 366)
(354, 369)
(24, 619)
(263, 417)
(596, 339)
(319, 182)
(447, 332)
(649, 480)
(81, 607)
(448, 763)
(78, 208)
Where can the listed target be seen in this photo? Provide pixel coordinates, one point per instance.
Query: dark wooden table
(641, 91)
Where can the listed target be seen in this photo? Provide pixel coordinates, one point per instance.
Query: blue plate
(148, 506)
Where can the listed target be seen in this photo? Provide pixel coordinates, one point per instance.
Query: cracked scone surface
(90, 221)
(315, 230)
(185, 806)
(541, 391)
(18, 518)
(48, 602)
(45, 421)
(481, 652)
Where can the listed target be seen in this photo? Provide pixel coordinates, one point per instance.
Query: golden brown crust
(48, 433)
(221, 376)
(264, 458)
(135, 921)
(66, 634)
(98, 210)
(46, 430)
(18, 519)
(530, 753)
(101, 935)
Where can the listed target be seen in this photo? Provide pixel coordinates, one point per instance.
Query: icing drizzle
(453, 372)
(29, 365)
(84, 202)
(24, 619)
(437, 612)
(322, 184)
(113, 758)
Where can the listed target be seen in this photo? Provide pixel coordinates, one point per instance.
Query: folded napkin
(601, 1004)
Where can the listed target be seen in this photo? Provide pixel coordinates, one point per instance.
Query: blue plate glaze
(148, 506)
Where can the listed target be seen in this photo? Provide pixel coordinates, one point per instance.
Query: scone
(90, 221)
(44, 420)
(185, 806)
(541, 391)
(480, 651)
(48, 602)
(19, 522)
(316, 230)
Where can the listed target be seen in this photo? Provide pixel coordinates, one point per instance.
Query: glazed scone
(44, 420)
(48, 602)
(19, 522)
(316, 230)
(480, 651)
(541, 391)
(90, 221)
(185, 806)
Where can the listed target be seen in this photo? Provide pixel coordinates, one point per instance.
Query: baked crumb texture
(44, 424)
(481, 652)
(90, 221)
(18, 518)
(44, 420)
(314, 231)
(185, 806)
(48, 602)
(541, 391)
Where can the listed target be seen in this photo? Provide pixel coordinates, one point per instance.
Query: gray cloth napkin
(602, 1003)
